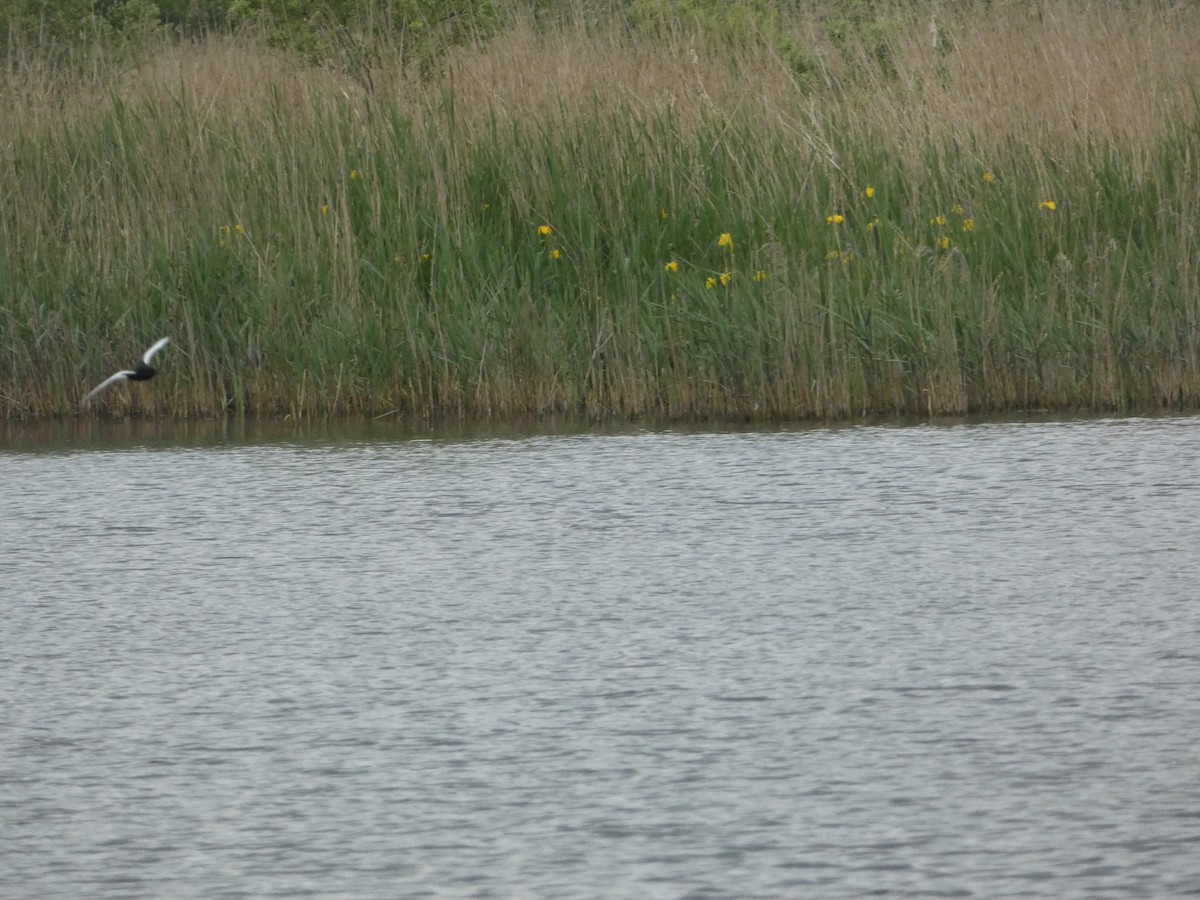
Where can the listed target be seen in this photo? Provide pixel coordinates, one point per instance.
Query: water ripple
(917, 662)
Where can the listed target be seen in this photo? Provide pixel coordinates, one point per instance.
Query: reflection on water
(56, 435)
(925, 660)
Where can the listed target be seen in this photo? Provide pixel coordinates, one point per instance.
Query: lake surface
(927, 661)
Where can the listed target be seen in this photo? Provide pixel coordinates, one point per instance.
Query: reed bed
(605, 221)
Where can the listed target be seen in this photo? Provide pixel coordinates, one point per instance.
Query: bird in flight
(141, 371)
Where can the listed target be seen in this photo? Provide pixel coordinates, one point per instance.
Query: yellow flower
(938, 220)
(324, 209)
(869, 192)
(672, 267)
(725, 240)
(968, 224)
(424, 257)
(1048, 204)
(944, 243)
(544, 230)
(662, 213)
(240, 230)
(555, 253)
(354, 174)
(726, 277)
(873, 224)
(957, 209)
(710, 282)
(988, 177)
(760, 275)
(835, 219)
(833, 254)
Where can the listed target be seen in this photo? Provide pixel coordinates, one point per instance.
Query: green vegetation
(817, 214)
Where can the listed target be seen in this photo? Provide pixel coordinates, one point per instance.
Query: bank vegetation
(760, 213)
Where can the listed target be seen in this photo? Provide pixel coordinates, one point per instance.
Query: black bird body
(141, 371)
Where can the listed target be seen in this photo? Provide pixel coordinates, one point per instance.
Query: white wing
(158, 345)
(124, 373)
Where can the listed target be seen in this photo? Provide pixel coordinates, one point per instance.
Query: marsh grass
(316, 248)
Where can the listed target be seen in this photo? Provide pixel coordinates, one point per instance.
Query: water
(914, 662)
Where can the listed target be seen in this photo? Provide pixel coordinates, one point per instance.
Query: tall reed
(613, 223)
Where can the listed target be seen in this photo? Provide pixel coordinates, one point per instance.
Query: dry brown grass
(1049, 74)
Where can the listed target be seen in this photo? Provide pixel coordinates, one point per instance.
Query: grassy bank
(610, 221)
